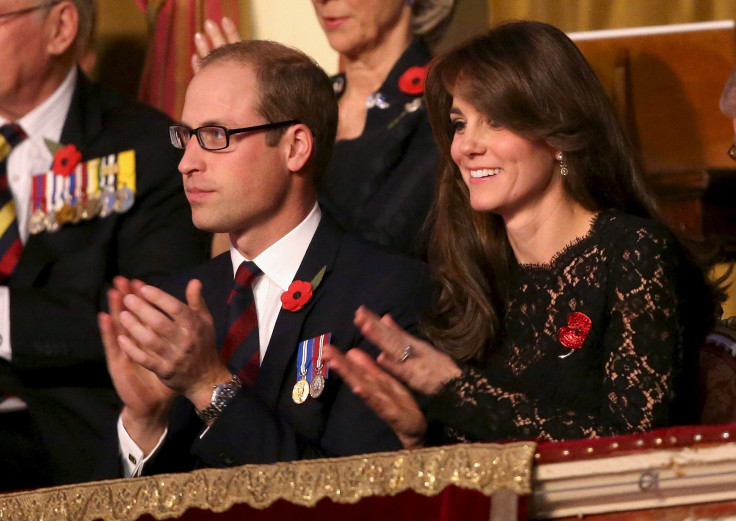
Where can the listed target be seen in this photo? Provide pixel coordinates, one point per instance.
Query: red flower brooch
(300, 292)
(66, 160)
(412, 81)
(573, 335)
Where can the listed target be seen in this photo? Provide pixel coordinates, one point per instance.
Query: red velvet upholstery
(717, 375)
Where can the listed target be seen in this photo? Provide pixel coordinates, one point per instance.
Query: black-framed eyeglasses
(29, 9)
(215, 137)
(732, 152)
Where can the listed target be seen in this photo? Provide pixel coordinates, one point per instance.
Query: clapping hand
(410, 359)
(383, 393)
(414, 361)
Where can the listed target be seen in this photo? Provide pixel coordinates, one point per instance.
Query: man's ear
(62, 24)
(300, 146)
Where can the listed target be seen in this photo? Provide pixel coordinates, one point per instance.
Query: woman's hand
(414, 361)
(383, 393)
(214, 36)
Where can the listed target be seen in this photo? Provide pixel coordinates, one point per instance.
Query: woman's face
(505, 173)
(353, 26)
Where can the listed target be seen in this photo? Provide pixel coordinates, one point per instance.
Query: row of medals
(302, 390)
(96, 205)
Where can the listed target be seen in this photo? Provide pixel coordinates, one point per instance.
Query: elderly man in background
(88, 189)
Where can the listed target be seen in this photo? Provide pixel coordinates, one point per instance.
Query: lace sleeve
(641, 351)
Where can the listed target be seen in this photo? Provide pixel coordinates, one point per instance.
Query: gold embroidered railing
(485, 468)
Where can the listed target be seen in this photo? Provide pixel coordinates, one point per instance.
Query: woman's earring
(563, 164)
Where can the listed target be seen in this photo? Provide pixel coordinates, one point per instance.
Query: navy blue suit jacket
(262, 424)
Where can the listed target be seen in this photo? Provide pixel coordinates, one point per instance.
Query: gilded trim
(481, 467)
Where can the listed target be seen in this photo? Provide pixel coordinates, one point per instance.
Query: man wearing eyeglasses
(259, 122)
(95, 191)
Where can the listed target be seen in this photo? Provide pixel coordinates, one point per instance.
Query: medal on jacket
(300, 393)
(319, 367)
(108, 176)
(94, 188)
(50, 222)
(37, 222)
(125, 193)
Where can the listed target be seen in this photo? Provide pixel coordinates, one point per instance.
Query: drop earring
(563, 164)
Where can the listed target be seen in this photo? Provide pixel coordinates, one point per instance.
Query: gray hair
(728, 98)
(86, 21)
(430, 18)
(87, 13)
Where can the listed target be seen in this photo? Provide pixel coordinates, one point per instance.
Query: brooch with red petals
(573, 335)
(412, 81)
(300, 292)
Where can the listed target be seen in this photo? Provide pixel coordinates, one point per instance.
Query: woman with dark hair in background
(565, 308)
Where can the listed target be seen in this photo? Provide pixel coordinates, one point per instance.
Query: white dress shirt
(279, 264)
(28, 158)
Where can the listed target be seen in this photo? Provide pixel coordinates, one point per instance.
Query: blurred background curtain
(588, 15)
(171, 27)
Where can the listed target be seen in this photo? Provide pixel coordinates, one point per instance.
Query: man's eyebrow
(207, 123)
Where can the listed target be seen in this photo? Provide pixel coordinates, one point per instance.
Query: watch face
(222, 393)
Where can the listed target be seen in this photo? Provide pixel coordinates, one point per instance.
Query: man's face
(24, 58)
(243, 189)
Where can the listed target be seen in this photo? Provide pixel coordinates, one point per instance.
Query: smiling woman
(564, 308)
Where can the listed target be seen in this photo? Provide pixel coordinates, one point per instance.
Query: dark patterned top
(648, 310)
(381, 185)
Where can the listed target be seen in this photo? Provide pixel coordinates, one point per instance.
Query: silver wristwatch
(221, 396)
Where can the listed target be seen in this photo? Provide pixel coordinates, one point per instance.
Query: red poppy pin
(66, 160)
(412, 81)
(573, 335)
(300, 291)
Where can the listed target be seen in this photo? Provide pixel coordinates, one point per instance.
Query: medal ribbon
(302, 365)
(48, 179)
(39, 183)
(317, 365)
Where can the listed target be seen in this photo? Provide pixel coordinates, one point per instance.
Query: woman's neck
(366, 71)
(536, 237)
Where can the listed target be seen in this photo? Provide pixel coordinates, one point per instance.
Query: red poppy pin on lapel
(412, 81)
(573, 335)
(66, 159)
(300, 292)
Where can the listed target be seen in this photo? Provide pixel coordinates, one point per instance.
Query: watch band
(221, 396)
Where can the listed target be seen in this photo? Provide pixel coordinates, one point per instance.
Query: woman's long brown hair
(530, 78)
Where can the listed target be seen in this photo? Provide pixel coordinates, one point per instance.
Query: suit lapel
(287, 333)
(217, 281)
(83, 122)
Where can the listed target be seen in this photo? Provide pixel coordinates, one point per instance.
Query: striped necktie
(10, 245)
(241, 349)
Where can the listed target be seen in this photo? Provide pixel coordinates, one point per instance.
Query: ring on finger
(406, 353)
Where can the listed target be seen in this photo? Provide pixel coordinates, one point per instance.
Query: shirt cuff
(131, 454)
(5, 351)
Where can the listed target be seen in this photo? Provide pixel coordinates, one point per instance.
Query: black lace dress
(601, 341)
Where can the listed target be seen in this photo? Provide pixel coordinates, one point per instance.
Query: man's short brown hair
(290, 86)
